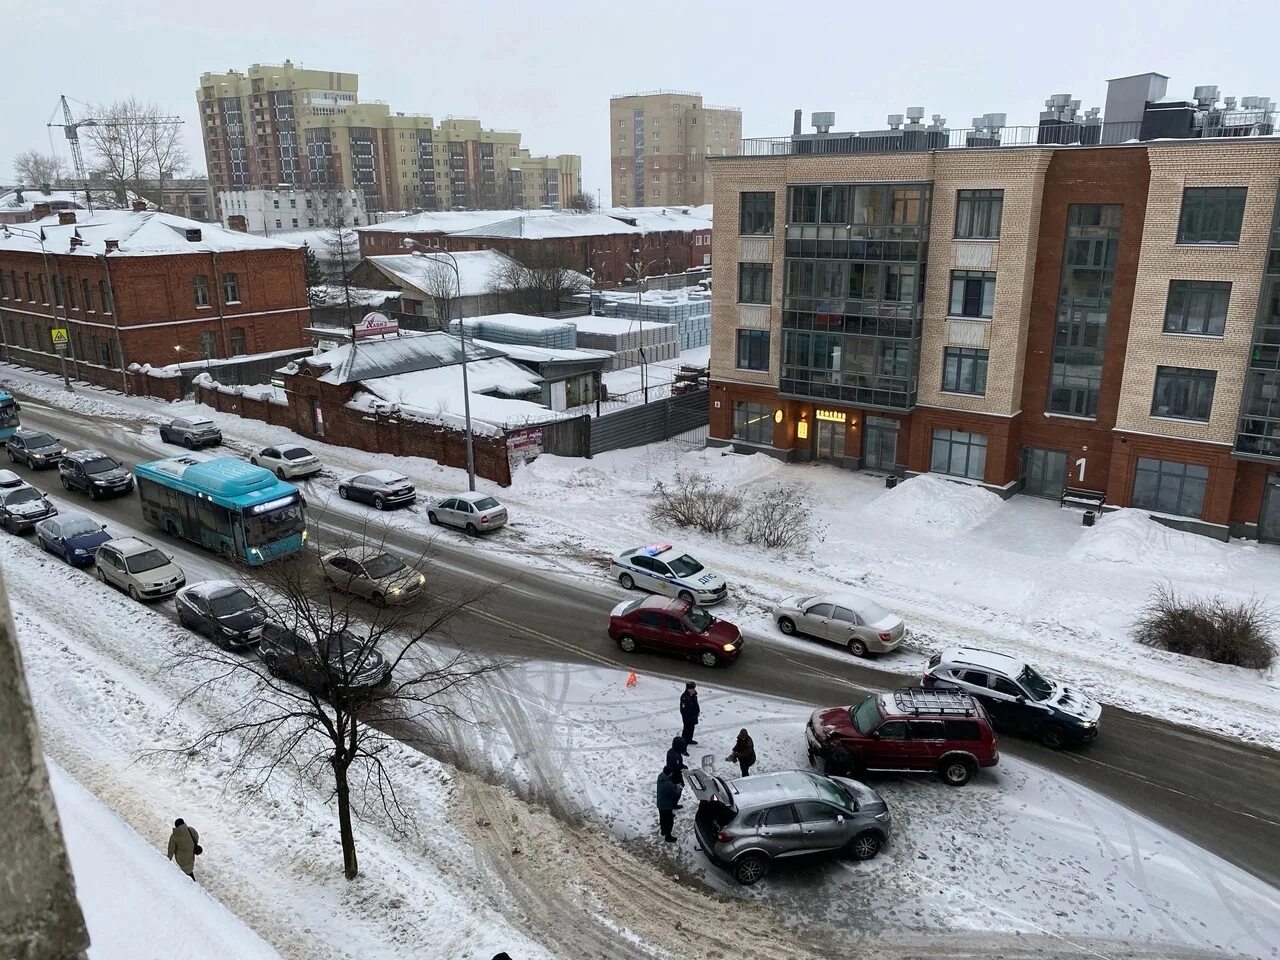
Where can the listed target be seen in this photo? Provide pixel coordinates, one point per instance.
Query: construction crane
(71, 128)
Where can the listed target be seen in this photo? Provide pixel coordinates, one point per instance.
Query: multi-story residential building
(659, 144)
(537, 182)
(1091, 304)
(140, 287)
(274, 125)
(293, 208)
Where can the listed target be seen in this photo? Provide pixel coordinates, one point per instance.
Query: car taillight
(886, 636)
(723, 836)
(485, 518)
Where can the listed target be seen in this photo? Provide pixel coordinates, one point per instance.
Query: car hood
(370, 670)
(706, 580)
(170, 571)
(29, 508)
(399, 581)
(114, 475)
(46, 450)
(618, 608)
(1074, 704)
(723, 632)
(243, 620)
(88, 541)
(831, 719)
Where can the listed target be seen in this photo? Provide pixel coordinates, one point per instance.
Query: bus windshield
(8, 412)
(274, 525)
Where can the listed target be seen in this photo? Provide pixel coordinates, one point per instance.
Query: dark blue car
(73, 537)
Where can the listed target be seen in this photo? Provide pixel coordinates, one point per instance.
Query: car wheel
(378, 503)
(65, 484)
(380, 600)
(750, 868)
(133, 593)
(685, 595)
(342, 492)
(628, 582)
(787, 626)
(432, 518)
(864, 846)
(708, 658)
(43, 546)
(272, 664)
(186, 442)
(280, 472)
(471, 530)
(101, 576)
(857, 647)
(12, 459)
(627, 643)
(1053, 736)
(955, 771)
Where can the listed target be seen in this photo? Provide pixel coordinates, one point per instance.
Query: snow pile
(550, 476)
(933, 503)
(1132, 538)
(729, 468)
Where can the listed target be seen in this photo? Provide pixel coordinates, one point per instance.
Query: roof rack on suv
(916, 700)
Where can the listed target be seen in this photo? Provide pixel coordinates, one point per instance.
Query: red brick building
(136, 287)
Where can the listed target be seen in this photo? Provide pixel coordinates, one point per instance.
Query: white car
(662, 568)
(472, 512)
(139, 569)
(288, 461)
(10, 479)
(855, 623)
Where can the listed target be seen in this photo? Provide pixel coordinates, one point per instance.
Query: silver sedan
(855, 623)
(472, 512)
(372, 574)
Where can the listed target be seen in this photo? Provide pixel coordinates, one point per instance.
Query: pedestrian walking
(744, 752)
(839, 762)
(184, 847)
(675, 760)
(689, 711)
(668, 801)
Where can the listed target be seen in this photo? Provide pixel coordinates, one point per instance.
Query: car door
(844, 624)
(111, 567)
(821, 825)
(269, 458)
(663, 578)
(177, 430)
(445, 511)
(1021, 713)
(342, 570)
(780, 830)
(927, 741)
(643, 572)
(678, 637)
(50, 533)
(202, 614)
(361, 585)
(361, 488)
(816, 620)
(888, 749)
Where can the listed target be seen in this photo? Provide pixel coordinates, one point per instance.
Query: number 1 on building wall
(1080, 463)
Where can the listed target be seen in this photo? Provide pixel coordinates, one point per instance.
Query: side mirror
(839, 818)
(875, 734)
(1021, 700)
(104, 526)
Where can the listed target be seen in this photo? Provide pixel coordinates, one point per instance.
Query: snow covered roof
(655, 219)
(66, 199)
(449, 221)
(148, 233)
(525, 227)
(612, 325)
(477, 270)
(372, 359)
(519, 320)
(532, 354)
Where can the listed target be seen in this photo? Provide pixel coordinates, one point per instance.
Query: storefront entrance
(1269, 518)
(829, 444)
(1044, 472)
(880, 444)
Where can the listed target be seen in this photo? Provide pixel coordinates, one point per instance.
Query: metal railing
(918, 139)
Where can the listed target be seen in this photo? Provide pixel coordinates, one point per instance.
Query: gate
(651, 422)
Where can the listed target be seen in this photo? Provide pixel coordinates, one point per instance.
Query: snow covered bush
(694, 500)
(1211, 628)
(779, 518)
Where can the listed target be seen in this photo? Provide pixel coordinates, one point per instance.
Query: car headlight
(304, 536)
(729, 648)
(421, 579)
(1088, 724)
(229, 632)
(883, 817)
(395, 590)
(79, 552)
(255, 552)
(64, 450)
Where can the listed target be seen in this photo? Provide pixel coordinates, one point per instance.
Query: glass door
(880, 444)
(1269, 520)
(1044, 472)
(830, 441)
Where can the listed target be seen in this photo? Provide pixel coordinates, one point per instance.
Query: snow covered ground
(959, 564)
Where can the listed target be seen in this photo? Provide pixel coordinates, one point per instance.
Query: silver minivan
(138, 568)
(746, 824)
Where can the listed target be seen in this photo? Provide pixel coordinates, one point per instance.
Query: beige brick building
(1051, 318)
(659, 145)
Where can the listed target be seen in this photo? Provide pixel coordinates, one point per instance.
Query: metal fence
(650, 422)
(915, 138)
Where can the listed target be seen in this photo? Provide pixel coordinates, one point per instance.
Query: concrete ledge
(1005, 491)
(738, 446)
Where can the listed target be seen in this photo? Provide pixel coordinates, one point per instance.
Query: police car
(662, 568)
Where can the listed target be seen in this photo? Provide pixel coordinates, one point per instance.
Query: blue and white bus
(8, 415)
(224, 505)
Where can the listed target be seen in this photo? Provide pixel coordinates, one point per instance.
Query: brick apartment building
(138, 287)
(1093, 303)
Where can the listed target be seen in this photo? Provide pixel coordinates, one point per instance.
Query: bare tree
(137, 148)
(582, 203)
(35, 169)
(343, 246)
(439, 283)
(539, 284)
(336, 683)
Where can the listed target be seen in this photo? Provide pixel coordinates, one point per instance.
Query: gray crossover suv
(746, 824)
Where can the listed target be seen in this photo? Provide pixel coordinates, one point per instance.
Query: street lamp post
(409, 243)
(59, 292)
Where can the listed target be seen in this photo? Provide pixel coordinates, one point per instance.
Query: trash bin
(890, 482)
(1089, 517)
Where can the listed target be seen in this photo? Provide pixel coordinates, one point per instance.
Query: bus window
(274, 525)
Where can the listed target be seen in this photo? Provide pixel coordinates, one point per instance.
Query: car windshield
(143, 562)
(8, 412)
(25, 495)
(866, 716)
(487, 503)
(274, 524)
(684, 566)
(1037, 686)
(40, 440)
(345, 648)
(101, 465)
(232, 602)
(295, 453)
(78, 527)
(699, 619)
(832, 792)
(383, 565)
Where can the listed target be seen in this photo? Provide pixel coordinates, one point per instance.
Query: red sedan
(676, 627)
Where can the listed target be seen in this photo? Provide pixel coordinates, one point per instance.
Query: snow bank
(933, 503)
(1132, 538)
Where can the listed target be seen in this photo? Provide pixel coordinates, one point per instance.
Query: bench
(1080, 497)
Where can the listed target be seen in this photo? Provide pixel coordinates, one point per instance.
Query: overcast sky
(548, 68)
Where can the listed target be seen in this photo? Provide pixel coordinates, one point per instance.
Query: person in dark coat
(668, 801)
(744, 752)
(675, 760)
(689, 711)
(184, 844)
(839, 762)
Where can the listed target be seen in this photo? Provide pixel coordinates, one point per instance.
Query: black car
(341, 665)
(382, 488)
(35, 448)
(227, 614)
(21, 508)
(191, 432)
(95, 473)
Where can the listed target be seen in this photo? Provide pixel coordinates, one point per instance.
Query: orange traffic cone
(632, 679)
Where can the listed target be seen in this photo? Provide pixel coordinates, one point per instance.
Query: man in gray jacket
(184, 843)
(668, 800)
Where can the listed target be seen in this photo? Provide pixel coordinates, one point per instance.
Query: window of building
(756, 214)
(275, 204)
(964, 370)
(753, 349)
(237, 342)
(973, 293)
(87, 289)
(44, 291)
(1183, 393)
(104, 294)
(57, 290)
(1169, 487)
(200, 288)
(231, 287)
(278, 224)
(209, 343)
(755, 282)
(1197, 307)
(294, 203)
(295, 221)
(959, 454)
(978, 214)
(753, 422)
(1211, 214)
(4, 286)
(900, 282)
(71, 295)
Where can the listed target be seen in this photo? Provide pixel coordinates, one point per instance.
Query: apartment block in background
(659, 144)
(274, 126)
(1086, 309)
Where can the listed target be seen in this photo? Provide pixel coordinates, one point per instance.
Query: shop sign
(832, 416)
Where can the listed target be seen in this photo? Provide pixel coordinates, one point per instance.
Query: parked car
(35, 448)
(191, 432)
(746, 824)
(677, 627)
(472, 512)
(95, 473)
(373, 574)
(9, 479)
(73, 537)
(138, 568)
(664, 569)
(340, 664)
(854, 623)
(1016, 696)
(287, 462)
(908, 731)
(21, 508)
(225, 612)
(382, 488)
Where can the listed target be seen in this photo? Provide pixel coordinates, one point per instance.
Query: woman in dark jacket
(744, 752)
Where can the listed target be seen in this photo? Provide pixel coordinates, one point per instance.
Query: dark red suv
(676, 627)
(913, 731)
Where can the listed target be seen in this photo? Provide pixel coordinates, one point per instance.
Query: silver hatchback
(746, 824)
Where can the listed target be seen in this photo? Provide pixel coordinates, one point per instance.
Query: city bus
(223, 504)
(8, 415)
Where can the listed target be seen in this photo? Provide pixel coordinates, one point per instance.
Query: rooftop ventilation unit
(915, 114)
(823, 121)
(1205, 96)
(895, 121)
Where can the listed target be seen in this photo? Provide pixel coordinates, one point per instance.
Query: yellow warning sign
(59, 335)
